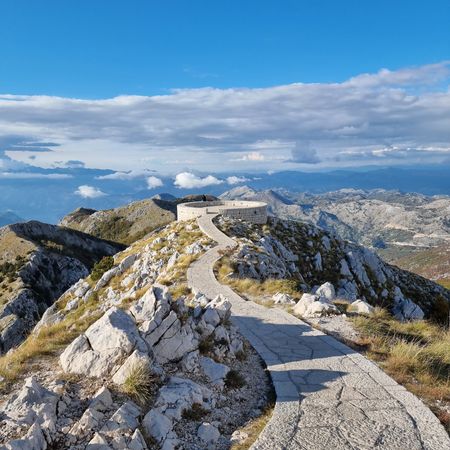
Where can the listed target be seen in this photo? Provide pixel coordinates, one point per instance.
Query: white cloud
(128, 175)
(187, 180)
(154, 182)
(86, 191)
(253, 156)
(407, 108)
(236, 180)
(34, 175)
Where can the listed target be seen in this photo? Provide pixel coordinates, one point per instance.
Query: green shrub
(105, 264)
(195, 413)
(234, 380)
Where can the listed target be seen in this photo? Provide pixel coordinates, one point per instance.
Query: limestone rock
(311, 306)
(157, 425)
(136, 359)
(360, 307)
(326, 293)
(124, 419)
(109, 339)
(283, 299)
(208, 434)
(303, 304)
(180, 394)
(33, 404)
(215, 372)
(33, 440)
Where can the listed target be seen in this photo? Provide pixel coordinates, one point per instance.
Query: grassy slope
(432, 263)
(125, 224)
(416, 354)
(50, 340)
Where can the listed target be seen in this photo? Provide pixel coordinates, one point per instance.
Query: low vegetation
(105, 264)
(416, 354)
(234, 380)
(140, 383)
(225, 273)
(195, 413)
(48, 341)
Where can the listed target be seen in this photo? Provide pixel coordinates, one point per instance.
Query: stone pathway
(328, 396)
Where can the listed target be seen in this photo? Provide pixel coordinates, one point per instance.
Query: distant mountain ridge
(9, 217)
(128, 223)
(376, 218)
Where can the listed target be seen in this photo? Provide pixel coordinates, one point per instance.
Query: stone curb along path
(328, 396)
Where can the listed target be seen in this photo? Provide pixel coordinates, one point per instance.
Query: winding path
(328, 396)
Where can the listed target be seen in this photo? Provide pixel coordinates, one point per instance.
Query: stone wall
(255, 212)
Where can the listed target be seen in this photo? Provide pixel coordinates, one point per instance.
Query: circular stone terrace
(255, 212)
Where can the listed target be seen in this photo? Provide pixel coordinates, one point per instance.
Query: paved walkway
(328, 396)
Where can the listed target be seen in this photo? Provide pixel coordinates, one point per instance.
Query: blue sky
(186, 94)
(105, 48)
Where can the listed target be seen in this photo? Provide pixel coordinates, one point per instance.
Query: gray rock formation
(47, 260)
(346, 270)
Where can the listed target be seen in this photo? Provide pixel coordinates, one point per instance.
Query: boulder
(33, 440)
(127, 262)
(360, 307)
(180, 394)
(319, 309)
(172, 260)
(107, 341)
(94, 415)
(326, 293)
(157, 425)
(98, 442)
(193, 249)
(404, 308)
(310, 306)
(302, 305)
(222, 306)
(137, 441)
(190, 361)
(215, 372)
(151, 308)
(175, 343)
(106, 278)
(283, 299)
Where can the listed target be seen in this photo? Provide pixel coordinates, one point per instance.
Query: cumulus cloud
(154, 182)
(213, 128)
(236, 180)
(86, 191)
(303, 153)
(253, 156)
(187, 180)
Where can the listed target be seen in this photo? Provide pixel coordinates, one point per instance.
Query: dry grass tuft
(416, 354)
(48, 341)
(250, 286)
(254, 429)
(139, 383)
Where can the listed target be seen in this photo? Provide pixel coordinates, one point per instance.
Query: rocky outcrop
(329, 268)
(111, 349)
(47, 260)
